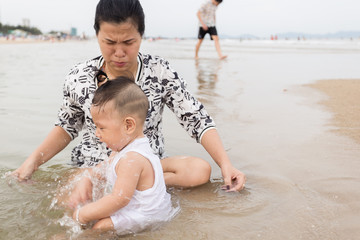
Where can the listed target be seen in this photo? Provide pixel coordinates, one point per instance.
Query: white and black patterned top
(208, 11)
(161, 84)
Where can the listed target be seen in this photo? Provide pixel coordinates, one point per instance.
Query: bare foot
(223, 57)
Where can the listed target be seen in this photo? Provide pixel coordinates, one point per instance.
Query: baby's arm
(128, 170)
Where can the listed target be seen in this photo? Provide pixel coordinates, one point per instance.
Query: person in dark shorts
(207, 22)
(211, 30)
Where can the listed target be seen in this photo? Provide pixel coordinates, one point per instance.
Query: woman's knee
(186, 171)
(204, 170)
(197, 171)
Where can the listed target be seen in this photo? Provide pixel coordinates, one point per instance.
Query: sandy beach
(40, 39)
(4, 40)
(343, 100)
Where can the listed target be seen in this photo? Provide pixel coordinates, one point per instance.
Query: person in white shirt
(207, 24)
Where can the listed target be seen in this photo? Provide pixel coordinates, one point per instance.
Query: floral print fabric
(161, 84)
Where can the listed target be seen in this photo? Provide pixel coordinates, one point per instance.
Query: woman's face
(119, 45)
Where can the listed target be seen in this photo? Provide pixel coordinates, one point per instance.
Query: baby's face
(110, 127)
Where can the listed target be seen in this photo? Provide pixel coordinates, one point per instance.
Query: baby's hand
(81, 194)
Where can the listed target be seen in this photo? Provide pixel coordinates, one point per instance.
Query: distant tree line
(6, 29)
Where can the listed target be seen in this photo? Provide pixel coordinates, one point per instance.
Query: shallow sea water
(303, 179)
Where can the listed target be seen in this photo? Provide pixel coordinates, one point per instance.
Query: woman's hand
(56, 141)
(24, 172)
(234, 179)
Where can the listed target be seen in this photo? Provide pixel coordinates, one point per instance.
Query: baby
(138, 197)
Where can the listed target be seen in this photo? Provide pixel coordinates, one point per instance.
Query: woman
(119, 26)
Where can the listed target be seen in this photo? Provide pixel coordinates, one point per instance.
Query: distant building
(26, 22)
(73, 32)
(18, 33)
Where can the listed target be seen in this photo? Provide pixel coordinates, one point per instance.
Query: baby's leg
(104, 224)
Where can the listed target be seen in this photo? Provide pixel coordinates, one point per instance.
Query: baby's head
(119, 110)
(216, 2)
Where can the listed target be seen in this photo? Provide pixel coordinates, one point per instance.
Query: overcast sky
(177, 18)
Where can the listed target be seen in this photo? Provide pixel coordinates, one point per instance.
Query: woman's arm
(68, 126)
(233, 178)
(193, 117)
(56, 141)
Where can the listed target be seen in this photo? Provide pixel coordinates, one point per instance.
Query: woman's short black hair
(120, 11)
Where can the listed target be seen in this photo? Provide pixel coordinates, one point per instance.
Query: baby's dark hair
(219, 1)
(127, 96)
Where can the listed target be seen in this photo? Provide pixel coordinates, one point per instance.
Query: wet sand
(343, 99)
